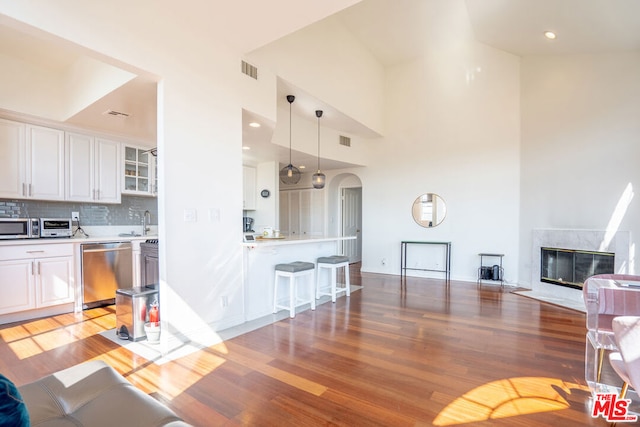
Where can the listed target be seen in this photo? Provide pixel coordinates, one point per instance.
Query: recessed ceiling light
(550, 35)
(301, 167)
(246, 147)
(254, 124)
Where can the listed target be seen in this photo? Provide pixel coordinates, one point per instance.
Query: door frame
(355, 250)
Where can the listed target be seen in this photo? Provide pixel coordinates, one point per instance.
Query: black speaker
(495, 274)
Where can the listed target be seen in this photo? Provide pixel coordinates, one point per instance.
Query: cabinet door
(80, 171)
(285, 228)
(12, 159)
(294, 213)
(16, 286)
(304, 212)
(249, 188)
(53, 281)
(150, 271)
(139, 171)
(107, 163)
(316, 212)
(45, 163)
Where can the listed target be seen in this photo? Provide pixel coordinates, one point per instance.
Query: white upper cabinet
(249, 188)
(139, 171)
(31, 161)
(93, 171)
(12, 152)
(107, 163)
(45, 163)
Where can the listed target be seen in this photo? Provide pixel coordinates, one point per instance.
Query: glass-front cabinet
(139, 171)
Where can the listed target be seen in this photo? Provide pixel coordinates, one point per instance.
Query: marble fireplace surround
(589, 240)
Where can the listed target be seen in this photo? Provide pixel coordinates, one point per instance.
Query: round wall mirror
(429, 210)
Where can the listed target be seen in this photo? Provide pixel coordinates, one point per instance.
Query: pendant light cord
(290, 99)
(318, 115)
(290, 132)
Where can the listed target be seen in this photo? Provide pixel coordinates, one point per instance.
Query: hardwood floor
(422, 354)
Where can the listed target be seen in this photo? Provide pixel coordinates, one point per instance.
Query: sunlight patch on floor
(507, 398)
(42, 335)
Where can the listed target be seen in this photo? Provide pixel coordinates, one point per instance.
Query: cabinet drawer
(36, 251)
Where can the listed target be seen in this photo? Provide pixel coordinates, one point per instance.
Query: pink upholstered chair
(626, 361)
(603, 304)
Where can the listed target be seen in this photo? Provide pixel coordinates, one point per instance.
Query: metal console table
(403, 258)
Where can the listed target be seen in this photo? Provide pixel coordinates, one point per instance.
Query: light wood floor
(423, 354)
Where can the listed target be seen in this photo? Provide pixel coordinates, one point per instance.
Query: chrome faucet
(146, 221)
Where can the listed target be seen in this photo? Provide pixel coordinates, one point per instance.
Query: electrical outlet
(75, 216)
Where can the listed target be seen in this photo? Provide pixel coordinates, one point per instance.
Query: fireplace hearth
(570, 267)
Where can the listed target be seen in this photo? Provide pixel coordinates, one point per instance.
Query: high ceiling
(394, 31)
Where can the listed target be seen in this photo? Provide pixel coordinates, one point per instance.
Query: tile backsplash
(129, 212)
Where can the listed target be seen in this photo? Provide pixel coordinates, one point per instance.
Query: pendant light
(290, 174)
(319, 178)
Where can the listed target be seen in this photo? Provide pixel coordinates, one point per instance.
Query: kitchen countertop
(80, 240)
(293, 241)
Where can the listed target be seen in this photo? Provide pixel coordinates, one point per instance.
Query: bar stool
(294, 271)
(333, 263)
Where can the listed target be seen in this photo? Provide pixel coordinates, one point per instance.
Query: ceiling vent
(115, 113)
(249, 70)
(345, 140)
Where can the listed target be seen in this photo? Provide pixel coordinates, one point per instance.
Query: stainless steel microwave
(56, 227)
(19, 228)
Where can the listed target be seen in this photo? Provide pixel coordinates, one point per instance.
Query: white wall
(451, 126)
(326, 61)
(454, 131)
(199, 150)
(580, 134)
(304, 138)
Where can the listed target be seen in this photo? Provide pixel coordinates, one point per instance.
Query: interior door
(352, 223)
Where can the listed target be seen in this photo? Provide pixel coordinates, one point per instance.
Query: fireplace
(570, 267)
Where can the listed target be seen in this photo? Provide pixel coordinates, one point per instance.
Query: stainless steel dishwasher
(106, 267)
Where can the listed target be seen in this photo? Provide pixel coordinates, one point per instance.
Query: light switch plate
(214, 215)
(190, 215)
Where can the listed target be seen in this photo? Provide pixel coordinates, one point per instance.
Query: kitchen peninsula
(260, 258)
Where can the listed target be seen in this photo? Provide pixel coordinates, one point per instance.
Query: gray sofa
(93, 394)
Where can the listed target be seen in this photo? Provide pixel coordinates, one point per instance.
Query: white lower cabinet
(53, 281)
(35, 276)
(17, 289)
